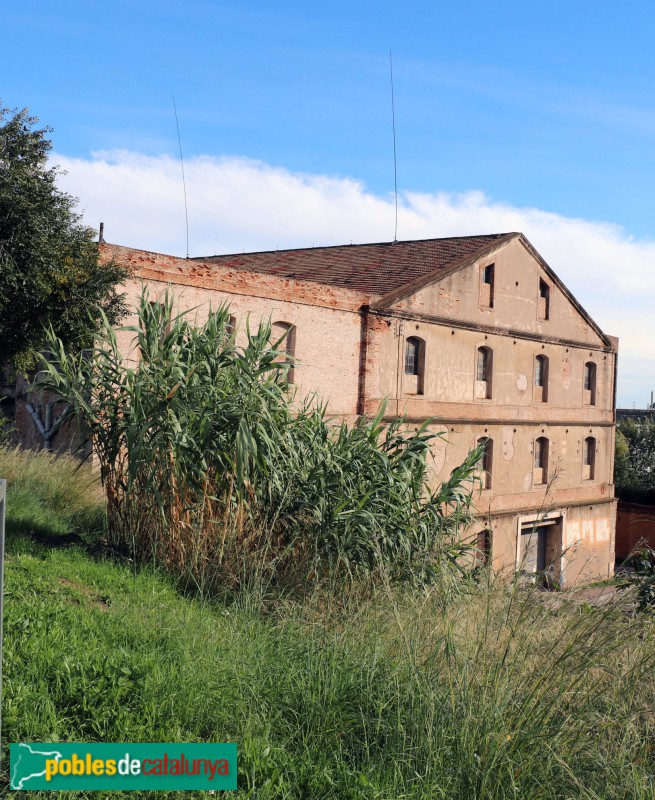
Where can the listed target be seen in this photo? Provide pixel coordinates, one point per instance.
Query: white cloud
(237, 204)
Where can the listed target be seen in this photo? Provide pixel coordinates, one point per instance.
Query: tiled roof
(371, 268)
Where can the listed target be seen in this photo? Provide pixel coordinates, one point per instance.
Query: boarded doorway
(540, 550)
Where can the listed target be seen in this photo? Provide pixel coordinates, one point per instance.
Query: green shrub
(210, 468)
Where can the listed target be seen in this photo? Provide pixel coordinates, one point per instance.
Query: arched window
(412, 346)
(589, 387)
(283, 337)
(544, 300)
(486, 464)
(541, 460)
(414, 365)
(541, 379)
(589, 459)
(483, 373)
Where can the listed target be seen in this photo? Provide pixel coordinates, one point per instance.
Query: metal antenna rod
(186, 210)
(395, 169)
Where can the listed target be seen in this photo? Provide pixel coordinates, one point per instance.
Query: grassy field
(497, 692)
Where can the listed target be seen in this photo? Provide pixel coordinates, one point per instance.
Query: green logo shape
(153, 766)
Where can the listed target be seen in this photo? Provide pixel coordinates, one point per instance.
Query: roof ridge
(393, 243)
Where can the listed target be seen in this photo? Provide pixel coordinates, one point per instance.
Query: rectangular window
(483, 369)
(487, 286)
(589, 459)
(544, 300)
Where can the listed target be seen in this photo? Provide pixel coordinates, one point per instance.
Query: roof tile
(371, 268)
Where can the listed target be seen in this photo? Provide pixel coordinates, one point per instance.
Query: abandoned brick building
(476, 333)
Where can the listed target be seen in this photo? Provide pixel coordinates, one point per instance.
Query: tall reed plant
(210, 469)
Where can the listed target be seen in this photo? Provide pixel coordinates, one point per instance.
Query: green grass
(50, 496)
(371, 694)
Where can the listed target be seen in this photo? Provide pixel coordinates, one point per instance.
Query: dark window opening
(541, 460)
(541, 378)
(483, 373)
(483, 547)
(540, 551)
(483, 364)
(486, 464)
(487, 287)
(544, 300)
(414, 365)
(590, 383)
(589, 458)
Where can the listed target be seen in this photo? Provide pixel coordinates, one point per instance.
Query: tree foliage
(49, 268)
(634, 465)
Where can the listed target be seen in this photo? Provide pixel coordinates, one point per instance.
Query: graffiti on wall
(587, 531)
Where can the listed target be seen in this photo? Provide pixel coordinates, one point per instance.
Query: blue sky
(549, 105)
(546, 107)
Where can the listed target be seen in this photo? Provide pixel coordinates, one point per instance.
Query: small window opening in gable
(540, 473)
(487, 286)
(589, 459)
(483, 377)
(486, 463)
(283, 338)
(544, 299)
(414, 365)
(541, 379)
(589, 390)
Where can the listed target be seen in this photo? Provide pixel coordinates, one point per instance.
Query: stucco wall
(516, 297)
(583, 546)
(513, 484)
(450, 372)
